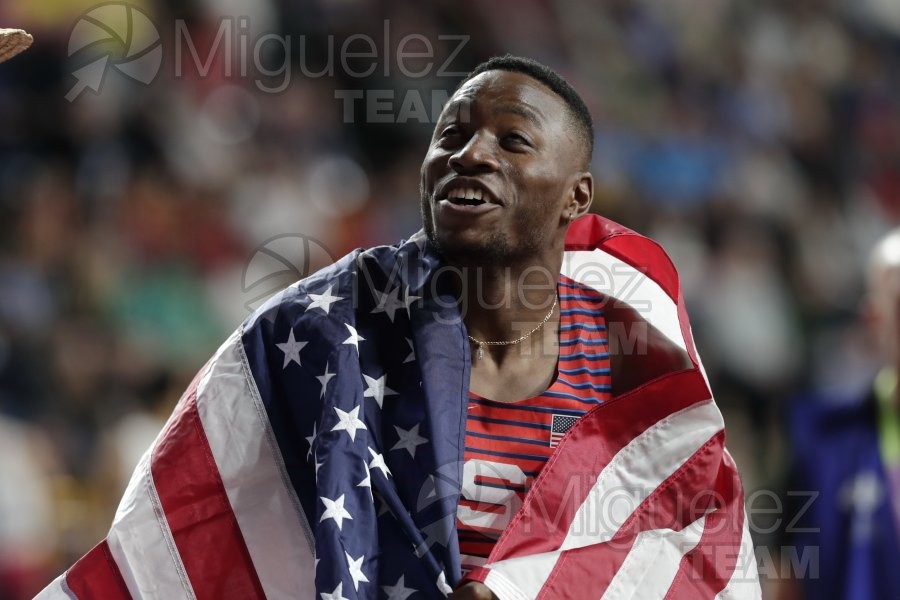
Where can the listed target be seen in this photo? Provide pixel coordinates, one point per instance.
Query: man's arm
(638, 351)
(472, 591)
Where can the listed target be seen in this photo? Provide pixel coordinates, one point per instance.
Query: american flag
(559, 426)
(318, 455)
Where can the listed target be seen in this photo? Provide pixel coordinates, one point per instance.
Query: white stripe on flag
(629, 478)
(263, 500)
(662, 548)
(141, 542)
(744, 582)
(638, 469)
(614, 277)
(530, 573)
(505, 589)
(57, 590)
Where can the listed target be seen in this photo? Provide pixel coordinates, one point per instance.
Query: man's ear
(582, 194)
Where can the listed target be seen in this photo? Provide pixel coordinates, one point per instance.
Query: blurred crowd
(758, 141)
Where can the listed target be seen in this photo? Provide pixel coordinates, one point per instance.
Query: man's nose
(477, 155)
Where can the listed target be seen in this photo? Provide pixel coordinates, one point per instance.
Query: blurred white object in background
(27, 517)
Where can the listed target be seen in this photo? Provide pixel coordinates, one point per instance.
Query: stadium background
(758, 141)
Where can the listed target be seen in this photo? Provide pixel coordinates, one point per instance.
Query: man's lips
(466, 192)
(472, 209)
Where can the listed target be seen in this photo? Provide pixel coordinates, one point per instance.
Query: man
(336, 446)
(844, 539)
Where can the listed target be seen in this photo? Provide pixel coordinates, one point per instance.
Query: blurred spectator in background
(26, 464)
(757, 140)
(845, 484)
(27, 532)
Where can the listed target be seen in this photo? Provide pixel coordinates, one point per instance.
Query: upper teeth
(465, 194)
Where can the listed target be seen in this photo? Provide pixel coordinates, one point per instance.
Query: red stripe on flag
(197, 509)
(678, 501)
(707, 569)
(592, 231)
(543, 521)
(96, 576)
(654, 262)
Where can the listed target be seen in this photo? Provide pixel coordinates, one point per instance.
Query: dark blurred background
(758, 141)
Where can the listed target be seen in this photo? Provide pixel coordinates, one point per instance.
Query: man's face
(499, 173)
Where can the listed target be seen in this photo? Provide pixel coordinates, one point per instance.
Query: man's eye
(448, 131)
(518, 139)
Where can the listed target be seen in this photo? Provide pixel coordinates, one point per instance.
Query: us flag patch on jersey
(558, 428)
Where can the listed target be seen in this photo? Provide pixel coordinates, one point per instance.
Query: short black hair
(581, 116)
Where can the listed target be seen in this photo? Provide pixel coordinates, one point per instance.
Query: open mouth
(466, 196)
(465, 201)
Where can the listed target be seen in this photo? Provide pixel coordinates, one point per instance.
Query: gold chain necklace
(480, 354)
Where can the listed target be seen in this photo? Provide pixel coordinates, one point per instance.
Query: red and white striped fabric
(641, 499)
(212, 482)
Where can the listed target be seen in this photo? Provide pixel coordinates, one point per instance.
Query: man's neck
(512, 304)
(504, 303)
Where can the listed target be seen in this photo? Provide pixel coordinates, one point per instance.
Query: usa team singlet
(507, 443)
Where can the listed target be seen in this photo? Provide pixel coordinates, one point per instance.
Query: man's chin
(462, 251)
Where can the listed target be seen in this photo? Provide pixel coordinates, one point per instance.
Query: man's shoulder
(638, 351)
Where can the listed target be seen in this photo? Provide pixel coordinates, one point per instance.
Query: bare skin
(472, 591)
(631, 365)
(510, 138)
(654, 355)
(502, 133)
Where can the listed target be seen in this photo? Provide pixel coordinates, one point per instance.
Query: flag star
(412, 352)
(409, 440)
(349, 422)
(337, 594)
(377, 462)
(377, 389)
(355, 568)
(323, 301)
(318, 464)
(409, 301)
(324, 378)
(442, 584)
(389, 303)
(354, 338)
(334, 509)
(291, 349)
(311, 439)
(398, 591)
(367, 482)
